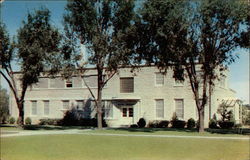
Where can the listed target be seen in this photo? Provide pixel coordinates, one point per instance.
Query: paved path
(84, 132)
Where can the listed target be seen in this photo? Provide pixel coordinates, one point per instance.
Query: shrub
(28, 121)
(141, 123)
(190, 123)
(49, 121)
(12, 120)
(163, 124)
(134, 126)
(178, 124)
(153, 124)
(226, 124)
(213, 123)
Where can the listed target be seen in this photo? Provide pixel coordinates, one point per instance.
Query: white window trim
(178, 84)
(31, 113)
(46, 115)
(160, 118)
(159, 85)
(180, 118)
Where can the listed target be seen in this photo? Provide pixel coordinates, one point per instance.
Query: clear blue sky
(13, 12)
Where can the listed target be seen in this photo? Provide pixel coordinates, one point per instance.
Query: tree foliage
(103, 27)
(4, 105)
(195, 38)
(36, 50)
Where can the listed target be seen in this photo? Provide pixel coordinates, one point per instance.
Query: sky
(13, 12)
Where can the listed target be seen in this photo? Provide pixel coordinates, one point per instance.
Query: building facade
(127, 97)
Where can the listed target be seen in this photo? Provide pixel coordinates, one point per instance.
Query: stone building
(127, 97)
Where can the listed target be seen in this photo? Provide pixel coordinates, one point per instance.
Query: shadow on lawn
(242, 131)
(45, 127)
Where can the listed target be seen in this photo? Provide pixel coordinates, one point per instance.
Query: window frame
(63, 106)
(32, 108)
(183, 108)
(159, 110)
(156, 80)
(44, 102)
(127, 90)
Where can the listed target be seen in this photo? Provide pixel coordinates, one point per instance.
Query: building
(127, 97)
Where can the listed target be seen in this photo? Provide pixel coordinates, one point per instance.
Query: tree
(37, 50)
(102, 26)
(195, 38)
(4, 105)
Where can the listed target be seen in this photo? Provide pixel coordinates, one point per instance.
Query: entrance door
(127, 114)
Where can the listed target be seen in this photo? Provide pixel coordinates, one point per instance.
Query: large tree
(102, 26)
(195, 38)
(36, 50)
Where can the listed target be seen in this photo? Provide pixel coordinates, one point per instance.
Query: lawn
(87, 147)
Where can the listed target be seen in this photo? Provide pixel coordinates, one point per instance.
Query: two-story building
(127, 97)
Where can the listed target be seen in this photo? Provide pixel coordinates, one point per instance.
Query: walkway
(84, 132)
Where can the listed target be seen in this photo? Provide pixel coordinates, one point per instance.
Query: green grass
(86, 147)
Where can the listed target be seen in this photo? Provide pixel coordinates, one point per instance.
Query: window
(178, 83)
(127, 85)
(77, 81)
(42, 83)
(91, 81)
(127, 112)
(46, 107)
(56, 83)
(179, 108)
(159, 79)
(108, 110)
(34, 107)
(65, 104)
(80, 104)
(159, 103)
(222, 82)
(69, 83)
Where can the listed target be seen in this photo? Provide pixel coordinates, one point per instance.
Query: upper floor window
(42, 83)
(159, 79)
(127, 85)
(179, 108)
(57, 83)
(178, 83)
(91, 81)
(222, 82)
(69, 83)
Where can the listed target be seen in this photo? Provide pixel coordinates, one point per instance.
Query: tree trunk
(20, 120)
(99, 99)
(201, 120)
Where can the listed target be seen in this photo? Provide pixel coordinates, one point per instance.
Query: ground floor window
(66, 104)
(46, 107)
(179, 108)
(34, 107)
(159, 105)
(127, 112)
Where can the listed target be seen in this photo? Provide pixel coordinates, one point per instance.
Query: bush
(212, 124)
(134, 126)
(49, 121)
(163, 124)
(28, 121)
(178, 124)
(141, 123)
(153, 124)
(12, 120)
(190, 123)
(226, 124)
